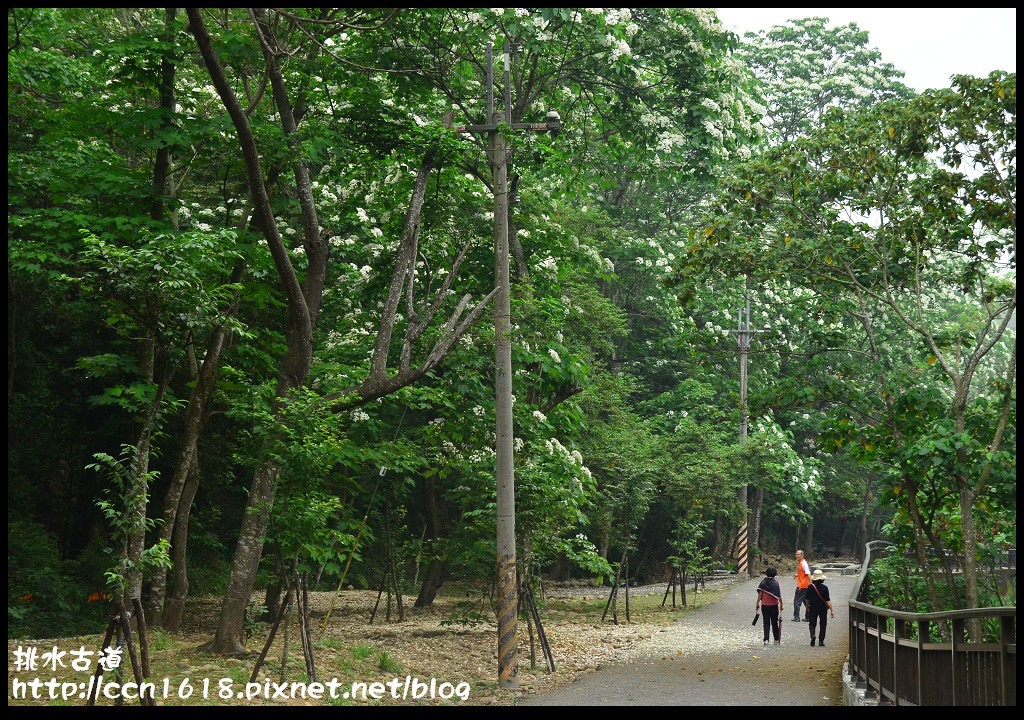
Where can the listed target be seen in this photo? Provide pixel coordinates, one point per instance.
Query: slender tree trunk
(194, 415)
(229, 639)
(522, 268)
(303, 303)
(755, 526)
(841, 539)
(719, 538)
(433, 533)
(433, 578)
(179, 551)
(12, 354)
(967, 499)
(277, 585)
(969, 564)
(161, 172)
(162, 166)
(303, 299)
(137, 493)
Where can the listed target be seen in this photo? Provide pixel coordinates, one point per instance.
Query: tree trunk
(433, 532)
(277, 586)
(719, 538)
(432, 581)
(194, 415)
(136, 497)
(230, 636)
(162, 166)
(910, 484)
(12, 354)
(865, 509)
(755, 527)
(522, 268)
(303, 299)
(841, 539)
(179, 551)
(560, 568)
(809, 537)
(303, 304)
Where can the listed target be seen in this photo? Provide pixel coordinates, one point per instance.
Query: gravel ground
(664, 641)
(599, 662)
(715, 657)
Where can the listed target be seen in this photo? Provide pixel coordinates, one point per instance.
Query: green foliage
(806, 67)
(629, 262)
(48, 596)
(897, 581)
(254, 614)
(692, 557)
(792, 484)
(128, 492)
(583, 554)
(919, 286)
(469, 613)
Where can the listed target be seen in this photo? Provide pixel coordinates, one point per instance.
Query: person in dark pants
(819, 606)
(803, 581)
(769, 604)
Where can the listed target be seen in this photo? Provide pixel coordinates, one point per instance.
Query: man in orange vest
(803, 581)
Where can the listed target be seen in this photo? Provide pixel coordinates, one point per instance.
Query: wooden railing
(897, 669)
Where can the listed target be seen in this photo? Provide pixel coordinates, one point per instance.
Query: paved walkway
(728, 670)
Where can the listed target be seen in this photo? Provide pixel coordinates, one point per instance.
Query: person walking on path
(819, 602)
(803, 581)
(769, 604)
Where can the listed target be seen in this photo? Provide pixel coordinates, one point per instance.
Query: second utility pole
(743, 337)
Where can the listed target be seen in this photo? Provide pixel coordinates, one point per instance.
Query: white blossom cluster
(547, 266)
(798, 472)
(482, 455)
(554, 447)
(599, 261)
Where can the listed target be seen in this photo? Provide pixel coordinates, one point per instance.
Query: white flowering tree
(302, 265)
(808, 65)
(618, 135)
(903, 217)
(800, 69)
(790, 486)
(325, 141)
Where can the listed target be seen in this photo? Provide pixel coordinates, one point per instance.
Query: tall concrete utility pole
(508, 586)
(743, 333)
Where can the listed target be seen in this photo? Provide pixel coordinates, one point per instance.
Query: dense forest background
(251, 320)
